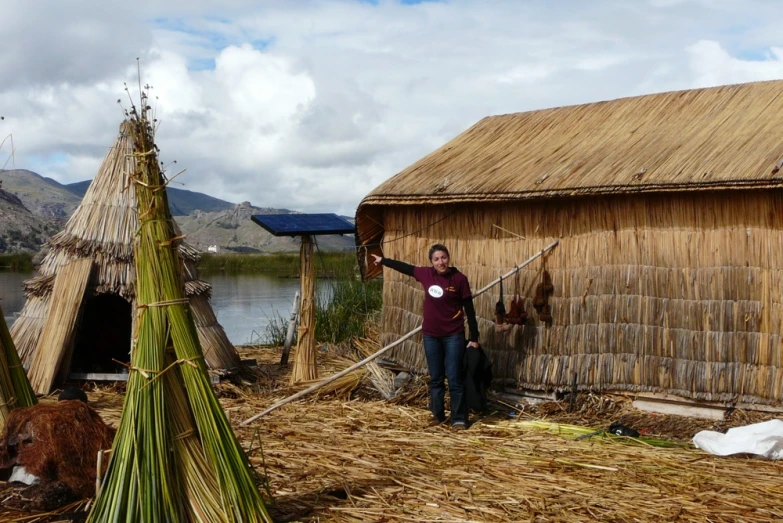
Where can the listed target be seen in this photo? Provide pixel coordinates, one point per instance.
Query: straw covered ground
(361, 458)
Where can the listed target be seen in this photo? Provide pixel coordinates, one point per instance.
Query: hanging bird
(517, 315)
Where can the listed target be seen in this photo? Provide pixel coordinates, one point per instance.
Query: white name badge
(436, 291)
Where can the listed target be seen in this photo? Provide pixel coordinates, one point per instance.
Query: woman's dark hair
(438, 247)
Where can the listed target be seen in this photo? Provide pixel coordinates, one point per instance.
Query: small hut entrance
(104, 335)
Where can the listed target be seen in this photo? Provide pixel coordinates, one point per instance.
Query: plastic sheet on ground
(761, 439)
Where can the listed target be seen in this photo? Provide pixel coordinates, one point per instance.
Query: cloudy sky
(309, 105)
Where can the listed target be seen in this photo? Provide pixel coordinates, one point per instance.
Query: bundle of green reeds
(15, 390)
(175, 456)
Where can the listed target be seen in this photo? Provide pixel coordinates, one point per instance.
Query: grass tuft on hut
(175, 457)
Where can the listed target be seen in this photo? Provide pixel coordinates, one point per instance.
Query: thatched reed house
(669, 274)
(80, 307)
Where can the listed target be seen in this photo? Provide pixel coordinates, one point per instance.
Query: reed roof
(714, 138)
(103, 229)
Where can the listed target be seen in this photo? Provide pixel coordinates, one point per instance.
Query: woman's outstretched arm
(397, 265)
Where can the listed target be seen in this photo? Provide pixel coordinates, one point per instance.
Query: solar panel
(301, 224)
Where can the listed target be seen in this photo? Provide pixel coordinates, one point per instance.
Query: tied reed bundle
(55, 346)
(305, 368)
(175, 456)
(15, 390)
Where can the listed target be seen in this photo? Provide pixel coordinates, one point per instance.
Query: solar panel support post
(305, 367)
(305, 226)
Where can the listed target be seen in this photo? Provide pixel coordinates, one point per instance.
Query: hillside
(232, 230)
(44, 197)
(181, 202)
(35, 207)
(20, 230)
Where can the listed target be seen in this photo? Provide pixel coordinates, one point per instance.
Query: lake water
(244, 303)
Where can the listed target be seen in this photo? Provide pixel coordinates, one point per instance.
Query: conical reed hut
(15, 390)
(175, 456)
(79, 309)
(667, 278)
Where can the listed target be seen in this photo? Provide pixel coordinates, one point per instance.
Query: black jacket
(478, 378)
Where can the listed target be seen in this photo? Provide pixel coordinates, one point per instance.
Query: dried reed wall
(677, 293)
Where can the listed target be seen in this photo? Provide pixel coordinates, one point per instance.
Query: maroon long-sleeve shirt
(448, 299)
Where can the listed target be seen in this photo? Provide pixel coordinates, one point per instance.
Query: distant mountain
(181, 202)
(233, 230)
(44, 197)
(20, 229)
(33, 207)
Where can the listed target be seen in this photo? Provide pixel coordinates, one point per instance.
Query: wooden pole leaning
(387, 348)
(305, 368)
(289, 335)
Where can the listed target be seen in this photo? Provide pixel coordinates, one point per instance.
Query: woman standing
(447, 302)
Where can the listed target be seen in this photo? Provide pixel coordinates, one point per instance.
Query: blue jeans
(444, 360)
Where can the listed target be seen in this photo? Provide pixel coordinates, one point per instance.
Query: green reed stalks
(15, 390)
(175, 456)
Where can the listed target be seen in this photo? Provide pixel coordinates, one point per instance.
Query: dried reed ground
(365, 460)
(370, 460)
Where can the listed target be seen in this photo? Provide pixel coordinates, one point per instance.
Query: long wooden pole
(387, 348)
(289, 335)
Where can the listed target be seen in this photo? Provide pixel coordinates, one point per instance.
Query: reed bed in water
(17, 262)
(287, 264)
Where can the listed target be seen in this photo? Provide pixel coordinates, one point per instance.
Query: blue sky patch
(403, 2)
(201, 64)
(761, 54)
(211, 41)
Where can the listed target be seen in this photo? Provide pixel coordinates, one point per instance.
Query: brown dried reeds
(102, 229)
(56, 343)
(652, 293)
(366, 460)
(358, 460)
(382, 379)
(718, 137)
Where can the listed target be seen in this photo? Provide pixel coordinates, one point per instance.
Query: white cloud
(310, 104)
(713, 65)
